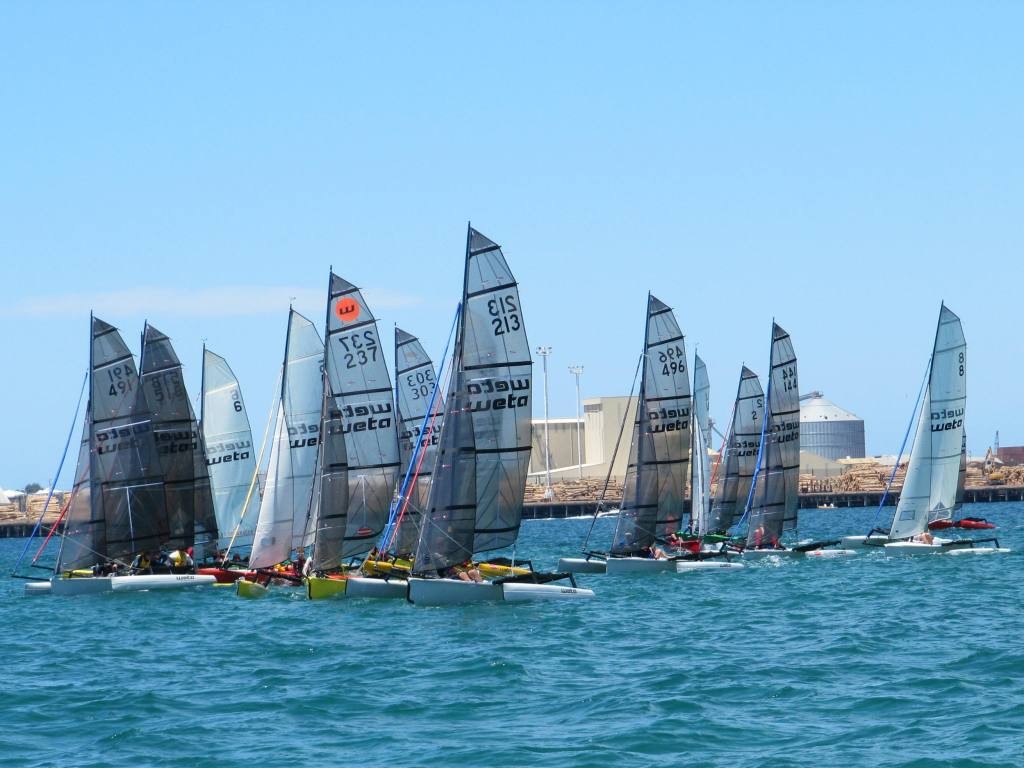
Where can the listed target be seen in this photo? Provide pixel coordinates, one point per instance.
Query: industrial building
(828, 430)
(602, 420)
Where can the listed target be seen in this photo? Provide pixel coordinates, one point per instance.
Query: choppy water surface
(869, 661)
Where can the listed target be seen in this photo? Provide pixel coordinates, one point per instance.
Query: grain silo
(828, 430)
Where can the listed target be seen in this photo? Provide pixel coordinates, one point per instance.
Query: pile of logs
(587, 489)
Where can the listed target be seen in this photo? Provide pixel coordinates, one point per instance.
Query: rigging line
(274, 403)
(56, 477)
(903, 445)
(615, 452)
(395, 515)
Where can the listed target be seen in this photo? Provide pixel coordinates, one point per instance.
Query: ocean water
(871, 661)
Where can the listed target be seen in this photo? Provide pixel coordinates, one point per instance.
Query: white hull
(581, 565)
(91, 585)
(716, 564)
(639, 565)
(391, 589)
(830, 554)
(921, 548)
(458, 592)
(853, 542)
(761, 554)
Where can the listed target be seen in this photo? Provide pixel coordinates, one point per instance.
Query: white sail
(931, 482)
(700, 467)
(230, 456)
(290, 474)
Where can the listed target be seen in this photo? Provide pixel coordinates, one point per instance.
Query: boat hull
(581, 565)
(383, 589)
(854, 542)
(318, 588)
(685, 566)
(250, 589)
(830, 554)
(92, 585)
(640, 565)
(429, 592)
(921, 548)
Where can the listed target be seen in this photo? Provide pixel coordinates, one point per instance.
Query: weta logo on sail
(303, 435)
(482, 391)
(362, 418)
(120, 438)
(347, 309)
(947, 418)
(744, 447)
(430, 437)
(176, 441)
(786, 432)
(222, 453)
(669, 419)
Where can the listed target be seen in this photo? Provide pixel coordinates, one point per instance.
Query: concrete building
(602, 421)
(828, 430)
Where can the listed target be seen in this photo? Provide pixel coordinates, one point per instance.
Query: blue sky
(842, 167)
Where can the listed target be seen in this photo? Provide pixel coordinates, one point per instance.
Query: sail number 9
(236, 401)
(360, 347)
(420, 384)
(673, 360)
(504, 314)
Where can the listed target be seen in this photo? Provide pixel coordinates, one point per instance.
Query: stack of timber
(579, 490)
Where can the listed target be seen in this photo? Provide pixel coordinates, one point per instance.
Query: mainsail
(776, 500)
(475, 501)
(414, 385)
(658, 455)
(119, 510)
(361, 451)
(700, 467)
(931, 482)
(286, 498)
(740, 458)
(230, 457)
(189, 501)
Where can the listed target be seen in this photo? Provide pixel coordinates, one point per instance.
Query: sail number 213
(504, 314)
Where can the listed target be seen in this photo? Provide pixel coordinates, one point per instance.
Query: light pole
(577, 371)
(549, 493)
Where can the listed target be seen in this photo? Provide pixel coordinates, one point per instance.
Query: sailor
(142, 563)
(299, 563)
(759, 536)
(181, 559)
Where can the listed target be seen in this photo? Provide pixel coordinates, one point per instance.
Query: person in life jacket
(181, 559)
(142, 563)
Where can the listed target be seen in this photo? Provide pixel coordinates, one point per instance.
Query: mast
(700, 470)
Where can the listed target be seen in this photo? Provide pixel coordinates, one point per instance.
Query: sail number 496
(673, 360)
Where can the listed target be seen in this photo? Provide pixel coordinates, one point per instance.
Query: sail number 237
(360, 347)
(504, 314)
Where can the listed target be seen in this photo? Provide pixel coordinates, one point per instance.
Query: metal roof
(818, 408)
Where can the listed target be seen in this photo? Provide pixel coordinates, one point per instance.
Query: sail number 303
(504, 314)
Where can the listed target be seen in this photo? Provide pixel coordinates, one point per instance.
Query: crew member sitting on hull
(465, 572)
(142, 563)
(181, 560)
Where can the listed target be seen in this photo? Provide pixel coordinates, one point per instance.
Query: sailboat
(740, 459)
(930, 487)
(118, 505)
(475, 500)
(772, 503)
(708, 555)
(288, 492)
(360, 454)
(231, 462)
(652, 503)
(187, 493)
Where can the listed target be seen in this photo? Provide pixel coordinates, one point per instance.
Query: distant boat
(772, 504)
(118, 507)
(659, 456)
(933, 474)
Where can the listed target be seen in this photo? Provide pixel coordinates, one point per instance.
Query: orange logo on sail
(347, 309)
